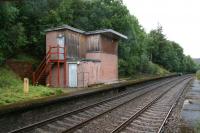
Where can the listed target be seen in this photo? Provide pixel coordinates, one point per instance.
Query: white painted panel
(72, 75)
(61, 43)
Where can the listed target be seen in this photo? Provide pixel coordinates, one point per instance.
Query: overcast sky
(180, 20)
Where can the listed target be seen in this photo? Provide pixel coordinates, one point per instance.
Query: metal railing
(45, 65)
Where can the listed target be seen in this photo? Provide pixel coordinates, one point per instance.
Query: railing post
(83, 79)
(58, 65)
(65, 65)
(50, 75)
(58, 53)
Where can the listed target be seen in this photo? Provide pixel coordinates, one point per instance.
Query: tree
(23, 24)
(12, 34)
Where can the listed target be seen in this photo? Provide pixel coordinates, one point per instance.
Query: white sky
(180, 20)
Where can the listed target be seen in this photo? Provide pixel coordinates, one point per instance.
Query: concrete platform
(190, 113)
(72, 93)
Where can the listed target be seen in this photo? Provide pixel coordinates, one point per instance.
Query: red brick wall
(108, 66)
(51, 39)
(108, 45)
(23, 69)
(88, 73)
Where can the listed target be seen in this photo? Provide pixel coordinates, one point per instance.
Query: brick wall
(88, 73)
(23, 69)
(108, 66)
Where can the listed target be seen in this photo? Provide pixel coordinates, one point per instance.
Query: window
(61, 40)
(72, 45)
(61, 43)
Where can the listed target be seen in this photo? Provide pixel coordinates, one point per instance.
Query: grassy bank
(11, 89)
(198, 75)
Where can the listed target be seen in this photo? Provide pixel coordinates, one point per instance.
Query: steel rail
(138, 113)
(172, 107)
(52, 119)
(107, 111)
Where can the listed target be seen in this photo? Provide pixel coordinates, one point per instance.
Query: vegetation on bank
(23, 23)
(11, 89)
(198, 74)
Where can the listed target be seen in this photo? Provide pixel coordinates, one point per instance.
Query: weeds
(11, 89)
(198, 75)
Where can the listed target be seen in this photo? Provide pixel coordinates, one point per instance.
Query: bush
(156, 69)
(198, 74)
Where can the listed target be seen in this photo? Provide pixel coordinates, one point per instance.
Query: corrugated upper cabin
(76, 58)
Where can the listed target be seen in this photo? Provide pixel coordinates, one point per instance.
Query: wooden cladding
(93, 43)
(77, 44)
(72, 42)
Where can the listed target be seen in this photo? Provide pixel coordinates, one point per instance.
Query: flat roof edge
(88, 32)
(65, 27)
(106, 31)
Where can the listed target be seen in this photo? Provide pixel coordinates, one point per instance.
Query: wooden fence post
(26, 85)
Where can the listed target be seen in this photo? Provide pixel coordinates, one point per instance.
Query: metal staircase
(55, 56)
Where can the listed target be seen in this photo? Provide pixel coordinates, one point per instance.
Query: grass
(197, 127)
(198, 74)
(11, 89)
(156, 69)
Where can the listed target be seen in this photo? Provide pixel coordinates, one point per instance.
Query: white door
(61, 43)
(72, 75)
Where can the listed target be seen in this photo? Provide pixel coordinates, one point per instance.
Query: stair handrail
(44, 59)
(42, 67)
(44, 63)
(37, 72)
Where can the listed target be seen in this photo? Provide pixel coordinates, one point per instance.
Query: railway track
(76, 121)
(152, 117)
(111, 120)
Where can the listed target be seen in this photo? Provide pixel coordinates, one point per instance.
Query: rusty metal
(46, 65)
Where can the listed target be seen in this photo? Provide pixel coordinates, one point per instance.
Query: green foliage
(12, 34)
(11, 89)
(23, 23)
(198, 74)
(167, 53)
(26, 58)
(156, 69)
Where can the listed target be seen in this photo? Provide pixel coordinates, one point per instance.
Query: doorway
(72, 75)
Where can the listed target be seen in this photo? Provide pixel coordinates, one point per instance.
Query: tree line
(23, 23)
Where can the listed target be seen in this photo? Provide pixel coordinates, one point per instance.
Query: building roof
(65, 27)
(108, 32)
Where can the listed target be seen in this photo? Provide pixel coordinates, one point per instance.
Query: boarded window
(93, 43)
(72, 45)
